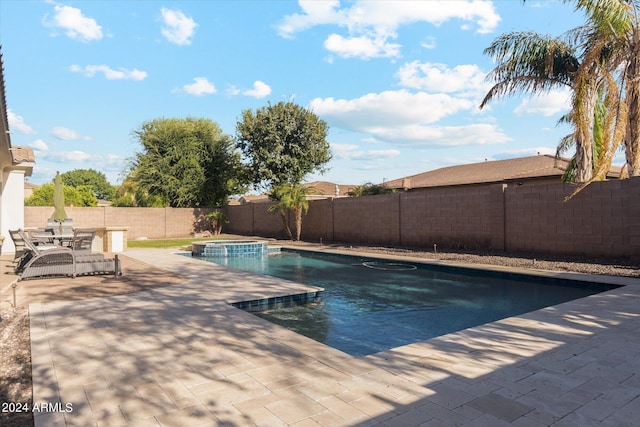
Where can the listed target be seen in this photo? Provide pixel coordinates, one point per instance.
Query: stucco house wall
(15, 164)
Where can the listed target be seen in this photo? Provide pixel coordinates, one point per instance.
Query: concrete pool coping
(181, 355)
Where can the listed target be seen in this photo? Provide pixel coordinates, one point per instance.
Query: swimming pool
(371, 305)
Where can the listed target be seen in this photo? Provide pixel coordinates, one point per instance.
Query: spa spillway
(229, 248)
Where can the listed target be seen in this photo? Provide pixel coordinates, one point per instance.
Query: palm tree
(610, 42)
(605, 135)
(531, 63)
(600, 63)
(217, 219)
(291, 198)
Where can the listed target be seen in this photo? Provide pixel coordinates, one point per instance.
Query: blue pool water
(371, 305)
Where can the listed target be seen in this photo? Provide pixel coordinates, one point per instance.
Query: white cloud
(363, 47)
(109, 73)
(389, 108)
(113, 159)
(17, 123)
(70, 156)
(429, 42)
(465, 80)
(232, 90)
(68, 134)
(178, 28)
(260, 90)
(75, 25)
(371, 23)
(315, 13)
(39, 145)
(353, 152)
(443, 136)
(547, 104)
(407, 118)
(200, 86)
(388, 16)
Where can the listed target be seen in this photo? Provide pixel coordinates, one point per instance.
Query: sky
(398, 82)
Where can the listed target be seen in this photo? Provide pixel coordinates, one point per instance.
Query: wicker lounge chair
(39, 261)
(19, 244)
(88, 263)
(42, 261)
(88, 266)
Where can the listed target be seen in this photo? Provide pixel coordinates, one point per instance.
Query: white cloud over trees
(200, 86)
(260, 90)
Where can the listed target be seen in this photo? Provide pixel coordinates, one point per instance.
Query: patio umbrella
(59, 215)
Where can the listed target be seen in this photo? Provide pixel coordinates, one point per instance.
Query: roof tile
(541, 166)
(22, 154)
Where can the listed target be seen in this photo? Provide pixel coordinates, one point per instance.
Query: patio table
(62, 239)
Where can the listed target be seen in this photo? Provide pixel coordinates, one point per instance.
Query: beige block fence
(602, 220)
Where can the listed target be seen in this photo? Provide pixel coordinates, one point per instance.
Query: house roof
(523, 168)
(324, 188)
(10, 155)
(5, 139)
(22, 154)
(254, 198)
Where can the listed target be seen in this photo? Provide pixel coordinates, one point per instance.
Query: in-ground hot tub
(230, 248)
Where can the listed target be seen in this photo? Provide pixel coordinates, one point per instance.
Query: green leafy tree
(73, 196)
(97, 181)
(369, 189)
(186, 163)
(282, 144)
(128, 194)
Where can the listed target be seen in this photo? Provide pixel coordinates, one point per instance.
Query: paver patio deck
(182, 356)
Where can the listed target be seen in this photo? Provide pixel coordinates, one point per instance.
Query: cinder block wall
(368, 220)
(317, 224)
(266, 223)
(602, 220)
(471, 218)
(152, 223)
(242, 222)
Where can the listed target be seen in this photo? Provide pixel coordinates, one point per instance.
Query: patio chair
(63, 231)
(41, 236)
(39, 261)
(42, 261)
(19, 244)
(89, 265)
(64, 227)
(82, 241)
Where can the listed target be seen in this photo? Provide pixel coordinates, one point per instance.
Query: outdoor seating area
(45, 254)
